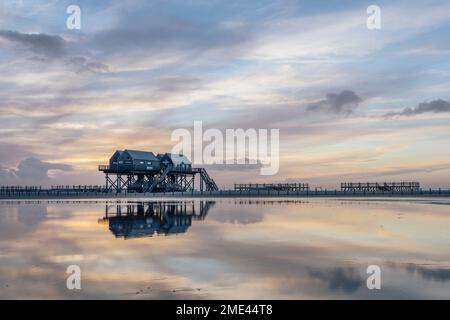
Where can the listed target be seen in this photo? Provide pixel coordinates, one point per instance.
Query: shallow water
(225, 248)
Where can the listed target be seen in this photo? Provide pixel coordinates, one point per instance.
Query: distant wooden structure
(383, 186)
(271, 187)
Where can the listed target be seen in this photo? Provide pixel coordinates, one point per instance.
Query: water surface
(225, 248)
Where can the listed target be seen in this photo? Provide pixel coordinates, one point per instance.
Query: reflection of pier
(146, 219)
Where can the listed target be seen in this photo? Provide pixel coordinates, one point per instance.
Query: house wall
(124, 162)
(145, 165)
(113, 160)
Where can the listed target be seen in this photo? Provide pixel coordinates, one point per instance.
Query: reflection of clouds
(59, 246)
(441, 275)
(254, 210)
(304, 250)
(49, 282)
(32, 215)
(427, 272)
(235, 215)
(18, 219)
(346, 279)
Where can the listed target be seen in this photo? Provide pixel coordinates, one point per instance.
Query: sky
(351, 104)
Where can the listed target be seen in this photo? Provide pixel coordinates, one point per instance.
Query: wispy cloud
(435, 106)
(40, 43)
(338, 103)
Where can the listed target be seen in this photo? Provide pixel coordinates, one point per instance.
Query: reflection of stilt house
(153, 218)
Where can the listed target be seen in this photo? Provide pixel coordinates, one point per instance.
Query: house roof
(116, 154)
(178, 159)
(142, 155)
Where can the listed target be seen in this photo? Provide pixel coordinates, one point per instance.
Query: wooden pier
(74, 193)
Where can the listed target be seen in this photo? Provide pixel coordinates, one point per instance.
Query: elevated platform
(167, 179)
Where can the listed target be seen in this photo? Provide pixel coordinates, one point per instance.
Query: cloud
(278, 115)
(39, 43)
(30, 171)
(243, 67)
(85, 65)
(12, 153)
(395, 171)
(238, 165)
(435, 106)
(337, 103)
(169, 38)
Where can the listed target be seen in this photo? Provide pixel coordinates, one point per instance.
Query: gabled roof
(118, 153)
(142, 155)
(178, 159)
